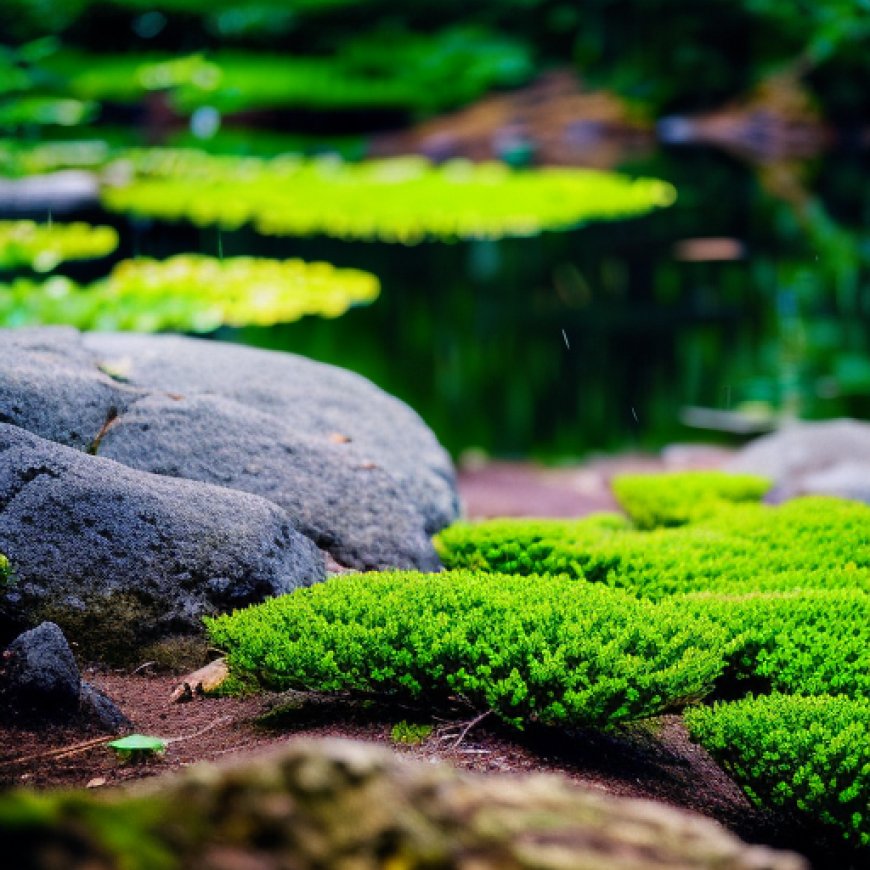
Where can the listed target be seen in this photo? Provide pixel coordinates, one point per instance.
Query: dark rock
(39, 676)
(827, 458)
(356, 469)
(99, 709)
(343, 804)
(118, 555)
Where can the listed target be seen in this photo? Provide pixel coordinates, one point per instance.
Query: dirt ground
(655, 761)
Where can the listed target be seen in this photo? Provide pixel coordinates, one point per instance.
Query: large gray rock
(356, 470)
(826, 458)
(111, 552)
(336, 496)
(342, 804)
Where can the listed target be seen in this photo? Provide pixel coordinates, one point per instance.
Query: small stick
(58, 753)
(476, 721)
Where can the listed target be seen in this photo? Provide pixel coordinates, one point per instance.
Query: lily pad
(138, 746)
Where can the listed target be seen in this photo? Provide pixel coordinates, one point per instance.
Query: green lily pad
(134, 745)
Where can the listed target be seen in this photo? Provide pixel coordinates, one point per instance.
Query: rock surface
(342, 804)
(40, 680)
(123, 557)
(356, 470)
(40, 675)
(826, 458)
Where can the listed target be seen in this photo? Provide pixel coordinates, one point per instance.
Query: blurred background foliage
(744, 304)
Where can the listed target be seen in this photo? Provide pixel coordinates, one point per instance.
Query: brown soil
(654, 761)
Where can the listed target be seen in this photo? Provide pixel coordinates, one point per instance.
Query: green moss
(677, 498)
(41, 247)
(410, 734)
(807, 643)
(807, 755)
(530, 649)
(810, 543)
(121, 629)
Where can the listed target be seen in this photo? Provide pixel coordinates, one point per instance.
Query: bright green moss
(806, 643)
(530, 649)
(676, 498)
(810, 543)
(807, 755)
(191, 293)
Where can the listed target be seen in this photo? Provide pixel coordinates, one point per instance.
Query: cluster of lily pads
(41, 247)
(190, 293)
(385, 69)
(405, 200)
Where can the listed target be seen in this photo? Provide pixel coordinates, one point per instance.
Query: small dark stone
(39, 675)
(101, 710)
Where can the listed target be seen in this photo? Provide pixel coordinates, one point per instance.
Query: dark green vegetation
(387, 69)
(807, 755)
(530, 649)
(661, 53)
(189, 293)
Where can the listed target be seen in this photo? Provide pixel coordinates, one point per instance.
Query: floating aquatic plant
(190, 293)
(138, 747)
(404, 199)
(41, 247)
(385, 68)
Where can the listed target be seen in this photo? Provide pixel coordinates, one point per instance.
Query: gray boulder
(110, 552)
(826, 458)
(340, 499)
(356, 470)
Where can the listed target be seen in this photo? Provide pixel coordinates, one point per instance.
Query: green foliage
(676, 498)
(403, 200)
(28, 111)
(577, 655)
(409, 733)
(191, 293)
(804, 643)
(807, 755)
(58, 823)
(385, 69)
(809, 543)
(4, 568)
(41, 247)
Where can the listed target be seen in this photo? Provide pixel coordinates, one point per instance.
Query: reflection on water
(743, 304)
(605, 336)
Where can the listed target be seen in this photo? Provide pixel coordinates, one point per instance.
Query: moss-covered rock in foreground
(339, 804)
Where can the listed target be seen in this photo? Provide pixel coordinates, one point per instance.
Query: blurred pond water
(747, 297)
